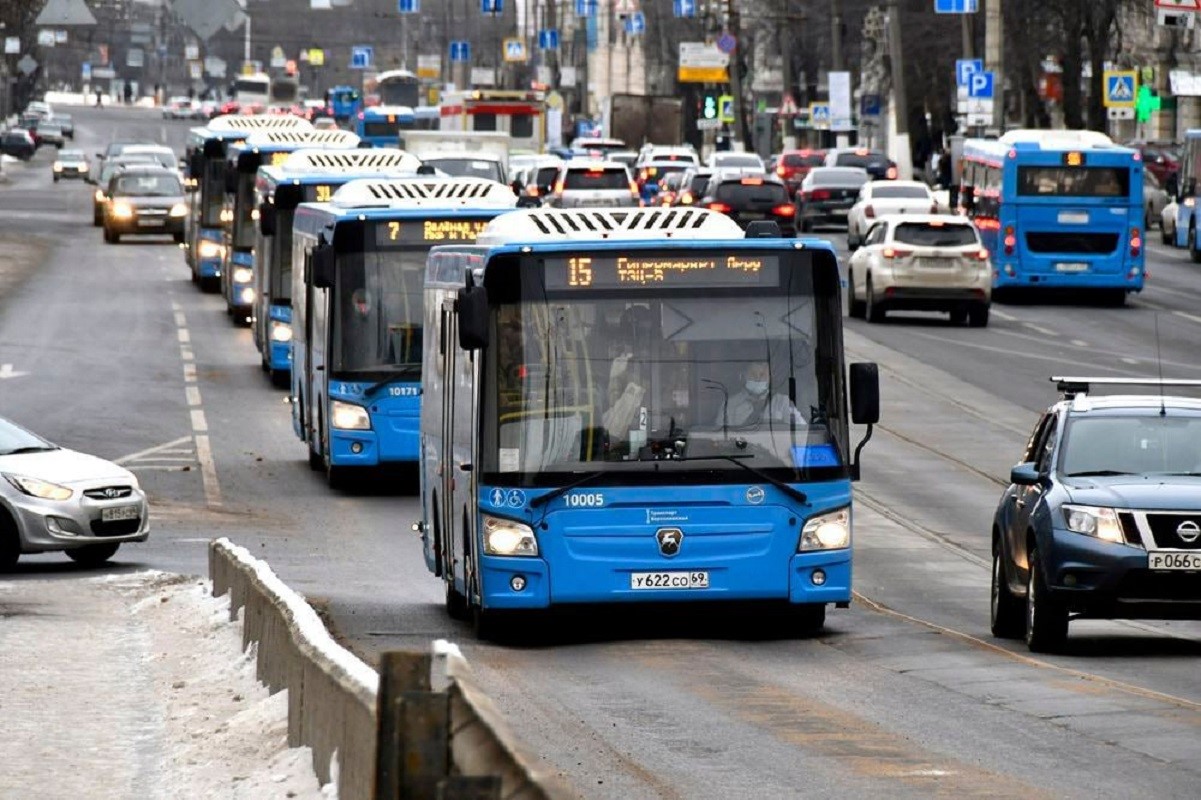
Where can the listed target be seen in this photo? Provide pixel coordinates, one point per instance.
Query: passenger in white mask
(756, 406)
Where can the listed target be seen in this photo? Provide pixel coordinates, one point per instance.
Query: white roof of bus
(552, 224)
(424, 190)
(375, 159)
(258, 122)
(313, 138)
(1057, 139)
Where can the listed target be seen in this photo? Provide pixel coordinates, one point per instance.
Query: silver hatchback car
(54, 499)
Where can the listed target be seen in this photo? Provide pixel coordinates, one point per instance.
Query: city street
(905, 694)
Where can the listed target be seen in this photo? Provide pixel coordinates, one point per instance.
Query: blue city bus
(1186, 197)
(381, 126)
(358, 264)
(306, 176)
(1057, 210)
(244, 160)
(638, 405)
(344, 101)
(207, 214)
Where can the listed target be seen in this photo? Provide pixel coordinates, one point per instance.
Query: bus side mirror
(472, 306)
(267, 219)
(231, 179)
(323, 266)
(865, 393)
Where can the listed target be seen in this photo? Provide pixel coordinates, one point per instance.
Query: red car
(1161, 159)
(793, 165)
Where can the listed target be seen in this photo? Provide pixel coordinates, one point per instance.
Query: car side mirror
(267, 219)
(865, 393)
(526, 201)
(323, 266)
(100, 156)
(1025, 474)
(472, 307)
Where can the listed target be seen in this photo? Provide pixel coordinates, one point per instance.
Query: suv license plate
(1190, 562)
(119, 513)
(669, 580)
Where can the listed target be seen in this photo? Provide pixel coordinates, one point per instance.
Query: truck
(479, 154)
(639, 119)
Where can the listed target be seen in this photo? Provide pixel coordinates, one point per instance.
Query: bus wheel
(808, 619)
(337, 477)
(492, 626)
(456, 602)
(281, 378)
(1193, 252)
(1116, 298)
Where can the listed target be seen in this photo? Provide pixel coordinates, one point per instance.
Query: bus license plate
(1183, 561)
(119, 513)
(1073, 218)
(669, 580)
(1072, 266)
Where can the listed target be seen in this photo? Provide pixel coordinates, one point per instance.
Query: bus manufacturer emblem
(1188, 531)
(755, 495)
(670, 540)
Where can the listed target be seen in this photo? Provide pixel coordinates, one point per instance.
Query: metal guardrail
(387, 735)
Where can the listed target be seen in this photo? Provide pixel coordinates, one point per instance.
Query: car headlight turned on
(38, 488)
(829, 531)
(209, 249)
(1094, 521)
(58, 167)
(280, 331)
(349, 417)
(98, 196)
(122, 210)
(179, 210)
(505, 537)
(243, 275)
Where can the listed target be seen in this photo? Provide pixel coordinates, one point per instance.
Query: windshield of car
(164, 157)
(836, 177)
(613, 369)
(751, 192)
(378, 307)
(15, 439)
(798, 160)
(599, 178)
(148, 186)
(468, 167)
(899, 192)
(927, 234)
(1137, 445)
(70, 155)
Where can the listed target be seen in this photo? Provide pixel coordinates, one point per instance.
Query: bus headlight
(247, 295)
(98, 196)
(210, 249)
(57, 167)
(243, 275)
(122, 210)
(831, 531)
(280, 331)
(179, 210)
(349, 417)
(504, 537)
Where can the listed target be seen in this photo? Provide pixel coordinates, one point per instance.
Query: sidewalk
(135, 686)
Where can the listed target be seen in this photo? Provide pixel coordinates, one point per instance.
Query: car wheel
(56, 179)
(92, 555)
(958, 316)
(1046, 617)
(855, 308)
(111, 236)
(97, 218)
(873, 310)
(804, 225)
(977, 316)
(179, 238)
(1006, 616)
(10, 542)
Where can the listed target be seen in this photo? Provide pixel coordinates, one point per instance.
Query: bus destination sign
(728, 270)
(401, 233)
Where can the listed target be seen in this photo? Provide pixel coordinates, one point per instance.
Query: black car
(692, 186)
(827, 194)
(144, 200)
(18, 143)
(747, 200)
(878, 165)
(104, 175)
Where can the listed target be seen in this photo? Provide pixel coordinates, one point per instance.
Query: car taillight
(686, 199)
(819, 194)
(781, 171)
(532, 191)
(896, 252)
(1136, 241)
(869, 212)
(721, 208)
(982, 254)
(559, 186)
(1010, 240)
(891, 174)
(784, 210)
(633, 188)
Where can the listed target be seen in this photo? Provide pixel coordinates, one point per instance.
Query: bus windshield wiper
(542, 500)
(794, 493)
(407, 369)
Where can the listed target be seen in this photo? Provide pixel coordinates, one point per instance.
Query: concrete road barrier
(333, 700)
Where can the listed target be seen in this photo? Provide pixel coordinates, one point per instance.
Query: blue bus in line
(637, 405)
(344, 102)
(1057, 210)
(208, 215)
(1186, 197)
(306, 176)
(244, 160)
(381, 126)
(358, 264)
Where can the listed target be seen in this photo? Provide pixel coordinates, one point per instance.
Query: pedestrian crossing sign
(1120, 88)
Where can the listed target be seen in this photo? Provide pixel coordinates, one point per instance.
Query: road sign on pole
(980, 85)
(548, 39)
(965, 68)
(361, 56)
(408, 6)
(1120, 88)
(956, 6)
(725, 108)
(635, 24)
(683, 8)
(514, 49)
(819, 115)
(460, 51)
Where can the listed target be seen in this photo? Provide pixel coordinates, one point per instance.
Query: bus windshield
(399, 92)
(281, 257)
(663, 381)
(377, 314)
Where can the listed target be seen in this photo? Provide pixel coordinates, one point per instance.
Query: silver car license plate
(150, 223)
(119, 513)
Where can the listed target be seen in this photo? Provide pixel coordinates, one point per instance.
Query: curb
(333, 696)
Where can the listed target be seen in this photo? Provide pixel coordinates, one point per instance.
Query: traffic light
(1144, 103)
(709, 111)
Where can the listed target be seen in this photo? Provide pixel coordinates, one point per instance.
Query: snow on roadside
(225, 736)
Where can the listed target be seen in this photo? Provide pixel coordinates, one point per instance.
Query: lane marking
(1189, 317)
(1040, 329)
(7, 371)
(1129, 360)
(1079, 343)
(180, 320)
(193, 395)
(199, 423)
(1003, 315)
(169, 447)
(186, 354)
(184, 336)
(208, 471)
(189, 373)
(176, 306)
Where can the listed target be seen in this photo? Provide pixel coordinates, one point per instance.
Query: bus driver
(756, 404)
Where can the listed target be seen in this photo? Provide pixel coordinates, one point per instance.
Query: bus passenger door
(447, 528)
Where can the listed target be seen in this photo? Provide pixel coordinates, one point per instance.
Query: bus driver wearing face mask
(755, 406)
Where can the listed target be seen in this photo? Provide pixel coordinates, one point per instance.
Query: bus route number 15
(579, 271)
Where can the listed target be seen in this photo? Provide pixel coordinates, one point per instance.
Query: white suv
(593, 184)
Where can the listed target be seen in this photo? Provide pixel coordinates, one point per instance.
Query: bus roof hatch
(260, 122)
(376, 159)
(425, 190)
(635, 223)
(302, 137)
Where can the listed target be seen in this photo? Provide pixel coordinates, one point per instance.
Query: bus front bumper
(393, 440)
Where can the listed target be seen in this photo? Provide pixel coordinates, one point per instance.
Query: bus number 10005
(585, 500)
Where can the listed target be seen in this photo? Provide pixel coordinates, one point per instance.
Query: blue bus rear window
(1073, 181)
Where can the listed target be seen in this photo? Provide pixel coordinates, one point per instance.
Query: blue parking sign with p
(965, 68)
(980, 85)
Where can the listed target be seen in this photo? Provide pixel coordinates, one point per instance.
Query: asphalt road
(905, 693)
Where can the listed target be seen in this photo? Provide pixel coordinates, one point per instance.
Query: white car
(928, 262)
(744, 163)
(663, 152)
(878, 198)
(1167, 223)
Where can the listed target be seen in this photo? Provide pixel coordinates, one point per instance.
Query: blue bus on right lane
(1057, 210)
